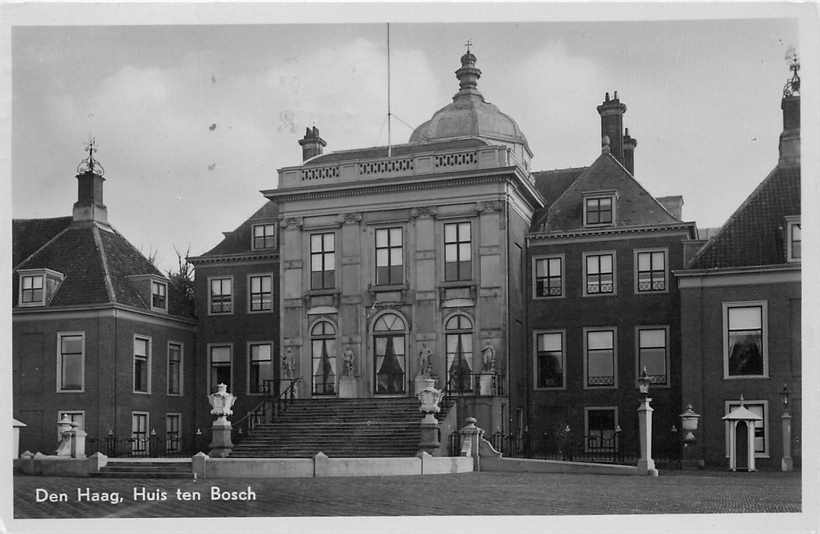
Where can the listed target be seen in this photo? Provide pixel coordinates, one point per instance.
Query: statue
(488, 357)
(349, 360)
(221, 403)
(288, 365)
(425, 361)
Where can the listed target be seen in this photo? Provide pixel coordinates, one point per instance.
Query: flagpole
(389, 138)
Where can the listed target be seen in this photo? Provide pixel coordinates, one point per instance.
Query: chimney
(311, 143)
(89, 205)
(790, 138)
(629, 152)
(673, 205)
(612, 124)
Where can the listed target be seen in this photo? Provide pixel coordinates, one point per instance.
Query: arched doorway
(458, 332)
(323, 358)
(390, 354)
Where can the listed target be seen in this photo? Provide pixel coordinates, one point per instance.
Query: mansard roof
(552, 184)
(634, 205)
(97, 262)
(755, 233)
(377, 152)
(239, 241)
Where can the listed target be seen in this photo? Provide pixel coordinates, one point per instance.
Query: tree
(181, 296)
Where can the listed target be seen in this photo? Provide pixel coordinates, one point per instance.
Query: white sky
(703, 101)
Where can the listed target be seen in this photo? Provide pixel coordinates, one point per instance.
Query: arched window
(458, 333)
(389, 342)
(323, 354)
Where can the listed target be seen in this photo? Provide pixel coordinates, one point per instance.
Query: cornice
(599, 232)
(96, 309)
(234, 258)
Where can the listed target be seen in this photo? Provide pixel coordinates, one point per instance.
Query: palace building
(533, 299)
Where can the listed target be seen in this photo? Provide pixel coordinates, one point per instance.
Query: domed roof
(469, 115)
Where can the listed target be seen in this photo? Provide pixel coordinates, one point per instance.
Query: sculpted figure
(288, 364)
(488, 357)
(425, 361)
(349, 358)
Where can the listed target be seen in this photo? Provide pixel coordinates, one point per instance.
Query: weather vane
(89, 164)
(792, 87)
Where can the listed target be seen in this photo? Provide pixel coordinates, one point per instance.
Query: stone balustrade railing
(418, 164)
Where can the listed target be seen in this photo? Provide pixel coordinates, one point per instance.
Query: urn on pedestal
(221, 406)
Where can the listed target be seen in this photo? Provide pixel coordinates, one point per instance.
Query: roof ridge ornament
(90, 164)
(468, 74)
(792, 87)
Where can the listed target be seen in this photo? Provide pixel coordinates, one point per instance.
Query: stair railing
(265, 410)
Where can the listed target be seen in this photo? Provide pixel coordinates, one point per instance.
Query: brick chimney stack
(311, 143)
(612, 124)
(790, 138)
(89, 205)
(629, 152)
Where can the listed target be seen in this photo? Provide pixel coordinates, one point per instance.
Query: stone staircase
(341, 428)
(148, 468)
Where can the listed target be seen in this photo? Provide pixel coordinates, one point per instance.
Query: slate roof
(634, 206)
(377, 152)
(95, 260)
(239, 240)
(755, 233)
(551, 184)
(31, 234)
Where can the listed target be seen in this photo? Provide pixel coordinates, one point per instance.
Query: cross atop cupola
(89, 206)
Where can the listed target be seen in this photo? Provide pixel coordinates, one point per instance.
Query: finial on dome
(792, 87)
(468, 74)
(90, 164)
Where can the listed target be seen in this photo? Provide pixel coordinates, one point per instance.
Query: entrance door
(742, 446)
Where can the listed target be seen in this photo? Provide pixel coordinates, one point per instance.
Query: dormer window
(37, 286)
(31, 290)
(793, 242)
(159, 295)
(599, 209)
(264, 236)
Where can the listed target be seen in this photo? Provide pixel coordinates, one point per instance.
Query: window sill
(71, 391)
(747, 377)
(322, 292)
(387, 287)
(457, 283)
(595, 295)
(260, 312)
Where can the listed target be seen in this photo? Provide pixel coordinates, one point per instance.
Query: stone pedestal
(420, 383)
(485, 384)
(221, 444)
(347, 387)
(430, 442)
(78, 436)
(786, 463)
(646, 465)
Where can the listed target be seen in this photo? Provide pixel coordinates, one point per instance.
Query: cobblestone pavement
(490, 494)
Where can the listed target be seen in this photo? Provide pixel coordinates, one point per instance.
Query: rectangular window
(598, 210)
(652, 354)
(549, 357)
(221, 295)
(458, 262)
(261, 368)
(70, 361)
(599, 274)
(173, 432)
(599, 362)
(745, 340)
(322, 261)
(264, 236)
(549, 277)
(795, 247)
(159, 292)
(142, 365)
(601, 429)
(761, 438)
(139, 434)
(174, 369)
(651, 271)
(261, 292)
(389, 256)
(31, 291)
(75, 416)
(220, 365)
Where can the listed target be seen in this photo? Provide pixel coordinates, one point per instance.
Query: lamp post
(786, 463)
(646, 465)
(689, 424)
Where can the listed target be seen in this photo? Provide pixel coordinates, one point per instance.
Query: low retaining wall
(322, 466)
(52, 465)
(528, 465)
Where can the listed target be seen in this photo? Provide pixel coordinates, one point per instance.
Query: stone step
(141, 474)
